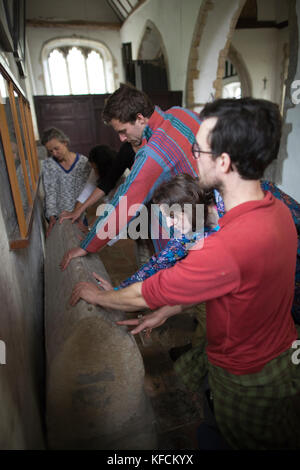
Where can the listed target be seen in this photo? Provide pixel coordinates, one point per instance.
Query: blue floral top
(176, 249)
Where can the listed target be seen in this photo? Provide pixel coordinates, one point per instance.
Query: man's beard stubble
(207, 187)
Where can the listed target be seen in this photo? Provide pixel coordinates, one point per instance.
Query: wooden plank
(27, 143)
(19, 141)
(36, 23)
(253, 23)
(16, 241)
(18, 244)
(22, 232)
(11, 168)
(32, 140)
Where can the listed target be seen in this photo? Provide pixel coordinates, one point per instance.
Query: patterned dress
(62, 187)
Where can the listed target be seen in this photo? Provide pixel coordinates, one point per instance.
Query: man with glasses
(245, 273)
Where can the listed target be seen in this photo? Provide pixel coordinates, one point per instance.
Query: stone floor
(177, 414)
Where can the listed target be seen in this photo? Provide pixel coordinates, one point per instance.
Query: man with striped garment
(165, 149)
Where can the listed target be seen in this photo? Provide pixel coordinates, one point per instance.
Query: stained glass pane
(96, 73)
(77, 72)
(58, 73)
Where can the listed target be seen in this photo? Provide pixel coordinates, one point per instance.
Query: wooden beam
(245, 23)
(137, 5)
(72, 24)
(19, 140)
(11, 169)
(27, 143)
(32, 140)
(16, 241)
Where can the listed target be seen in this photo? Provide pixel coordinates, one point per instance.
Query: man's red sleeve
(204, 274)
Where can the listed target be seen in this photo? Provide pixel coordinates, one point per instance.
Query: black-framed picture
(13, 23)
(19, 35)
(6, 26)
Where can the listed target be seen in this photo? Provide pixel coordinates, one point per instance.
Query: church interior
(69, 377)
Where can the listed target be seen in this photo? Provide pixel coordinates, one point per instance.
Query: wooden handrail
(19, 140)
(11, 168)
(23, 130)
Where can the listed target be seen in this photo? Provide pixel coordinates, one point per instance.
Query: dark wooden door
(77, 117)
(104, 134)
(80, 117)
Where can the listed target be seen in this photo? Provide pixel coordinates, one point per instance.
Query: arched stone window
(74, 66)
(236, 81)
(152, 48)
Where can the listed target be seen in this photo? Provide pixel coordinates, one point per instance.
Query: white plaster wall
(213, 40)
(151, 45)
(283, 40)
(175, 20)
(21, 329)
(37, 37)
(291, 166)
(262, 52)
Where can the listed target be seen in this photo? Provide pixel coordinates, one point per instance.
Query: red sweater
(246, 273)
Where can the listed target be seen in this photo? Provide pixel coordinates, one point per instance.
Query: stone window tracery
(75, 68)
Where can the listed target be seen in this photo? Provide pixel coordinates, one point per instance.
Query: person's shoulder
(179, 111)
(280, 204)
(142, 152)
(175, 122)
(48, 163)
(82, 158)
(83, 162)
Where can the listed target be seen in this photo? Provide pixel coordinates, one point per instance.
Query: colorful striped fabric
(166, 152)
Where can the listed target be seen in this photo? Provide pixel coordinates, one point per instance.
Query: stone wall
(21, 330)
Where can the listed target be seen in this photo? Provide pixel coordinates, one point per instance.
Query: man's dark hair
(249, 130)
(126, 103)
(103, 157)
(183, 189)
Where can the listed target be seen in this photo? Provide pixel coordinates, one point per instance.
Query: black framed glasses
(197, 152)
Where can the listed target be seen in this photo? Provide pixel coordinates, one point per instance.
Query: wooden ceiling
(123, 8)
